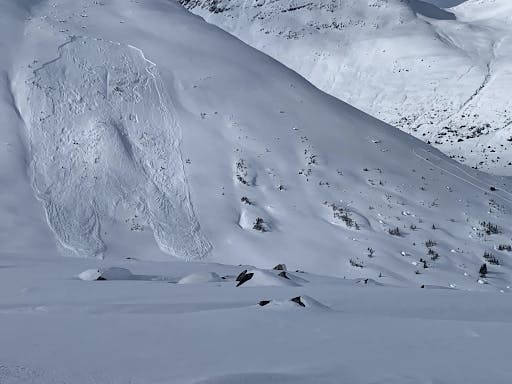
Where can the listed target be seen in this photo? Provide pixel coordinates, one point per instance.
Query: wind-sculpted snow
(104, 146)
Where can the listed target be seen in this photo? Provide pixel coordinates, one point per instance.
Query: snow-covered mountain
(176, 140)
(135, 135)
(442, 75)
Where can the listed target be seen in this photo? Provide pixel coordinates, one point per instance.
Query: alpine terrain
(442, 75)
(178, 207)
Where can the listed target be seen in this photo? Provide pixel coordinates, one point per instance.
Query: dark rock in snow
(483, 270)
(241, 275)
(298, 300)
(246, 277)
(262, 303)
(283, 274)
(280, 267)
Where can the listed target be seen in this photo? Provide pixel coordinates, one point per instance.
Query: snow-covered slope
(441, 75)
(175, 139)
(136, 131)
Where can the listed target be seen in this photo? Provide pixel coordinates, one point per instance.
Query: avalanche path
(105, 147)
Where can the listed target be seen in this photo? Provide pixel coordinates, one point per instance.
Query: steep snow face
(441, 75)
(273, 169)
(104, 145)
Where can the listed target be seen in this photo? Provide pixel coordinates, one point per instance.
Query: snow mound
(258, 278)
(368, 282)
(90, 275)
(294, 302)
(114, 273)
(104, 142)
(200, 278)
(297, 279)
(254, 219)
(309, 302)
(433, 286)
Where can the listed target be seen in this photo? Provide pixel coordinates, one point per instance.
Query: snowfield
(59, 329)
(175, 166)
(441, 75)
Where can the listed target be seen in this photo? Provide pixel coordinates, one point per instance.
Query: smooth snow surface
(113, 273)
(442, 75)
